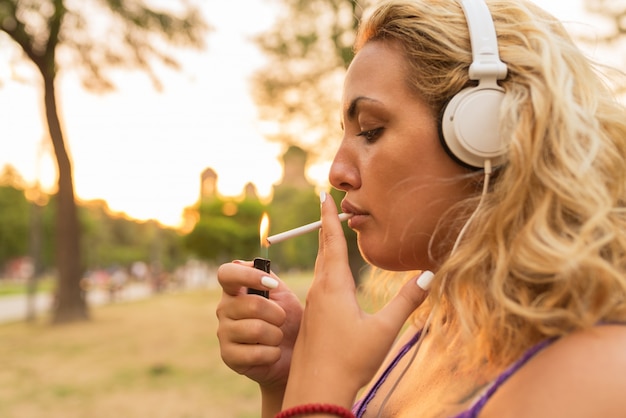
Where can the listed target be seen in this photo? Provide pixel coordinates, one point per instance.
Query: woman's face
(398, 179)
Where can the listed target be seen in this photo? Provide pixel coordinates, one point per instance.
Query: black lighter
(261, 264)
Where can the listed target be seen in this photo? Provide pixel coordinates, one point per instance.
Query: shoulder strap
(477, 407)
(360, 407)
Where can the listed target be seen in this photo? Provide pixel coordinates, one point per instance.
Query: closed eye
(371, 135)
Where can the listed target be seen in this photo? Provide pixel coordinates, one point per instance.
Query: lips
(359, 215)
(348, 207)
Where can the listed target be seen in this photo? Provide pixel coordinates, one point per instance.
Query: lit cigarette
(301, 230)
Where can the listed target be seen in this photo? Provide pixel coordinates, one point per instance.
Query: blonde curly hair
(545, 253)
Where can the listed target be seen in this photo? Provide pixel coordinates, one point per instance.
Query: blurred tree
(11, 177)
(291, 207)
(14, 223)
(298, 92)
(108, 238)
(614, 33)
(294, 203)
(308, 51)
(226, 230)
(127, 34)
(112, 239)
(614, 11)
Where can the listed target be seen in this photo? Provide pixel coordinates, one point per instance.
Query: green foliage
(220, 235)
(9, 287)
(14, 223)
(108, 239)
(226, 230)
(290, 208)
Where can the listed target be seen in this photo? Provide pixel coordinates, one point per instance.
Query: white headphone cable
(486, 180)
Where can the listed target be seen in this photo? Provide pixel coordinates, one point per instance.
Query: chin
(387, 253)
(392, 261)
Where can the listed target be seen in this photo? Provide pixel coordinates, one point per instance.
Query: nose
(344, 172)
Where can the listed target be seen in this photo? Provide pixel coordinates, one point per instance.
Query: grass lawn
(156, 358)
(10, 287)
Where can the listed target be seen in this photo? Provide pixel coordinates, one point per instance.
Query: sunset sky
(143, 151)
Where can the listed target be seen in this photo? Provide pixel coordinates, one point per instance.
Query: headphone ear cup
(470, 126)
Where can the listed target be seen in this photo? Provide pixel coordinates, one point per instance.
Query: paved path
(14, 308)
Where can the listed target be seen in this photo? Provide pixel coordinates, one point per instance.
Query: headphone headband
(470, 120)
(485, 57)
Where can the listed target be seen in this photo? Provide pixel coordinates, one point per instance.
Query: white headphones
(469, 125)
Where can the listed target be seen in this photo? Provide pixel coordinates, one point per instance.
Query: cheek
(404, 227)
(399, 238)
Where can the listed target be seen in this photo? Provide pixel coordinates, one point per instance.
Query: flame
(264, 229)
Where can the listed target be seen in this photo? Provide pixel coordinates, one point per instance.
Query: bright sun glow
(143, 151)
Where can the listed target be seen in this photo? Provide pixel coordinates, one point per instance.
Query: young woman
(512, 193)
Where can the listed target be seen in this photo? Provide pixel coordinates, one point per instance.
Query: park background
(172, 170)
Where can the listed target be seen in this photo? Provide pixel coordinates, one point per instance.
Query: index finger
(333, 249)
(331, 226)
(233, 277)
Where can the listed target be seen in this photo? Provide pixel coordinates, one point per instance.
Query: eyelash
(371, 135)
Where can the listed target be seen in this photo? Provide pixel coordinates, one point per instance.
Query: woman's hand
(340, 347)
(257, 335)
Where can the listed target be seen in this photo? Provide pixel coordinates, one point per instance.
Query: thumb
(409, 298)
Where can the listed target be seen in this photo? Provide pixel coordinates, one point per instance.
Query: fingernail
(424, 280)
(322, 196)
(238, 261)
(269, 282)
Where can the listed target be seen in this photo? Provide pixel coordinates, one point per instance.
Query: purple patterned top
(360, 406)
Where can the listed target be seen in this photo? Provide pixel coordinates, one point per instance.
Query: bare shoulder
(580, 375)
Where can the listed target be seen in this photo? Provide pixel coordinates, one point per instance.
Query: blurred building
(208, 184)
(294, 164)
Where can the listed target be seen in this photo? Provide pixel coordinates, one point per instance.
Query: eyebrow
(353, 108)
(354, 104)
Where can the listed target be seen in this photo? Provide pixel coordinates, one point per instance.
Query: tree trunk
(70, 304)
(34, 244)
